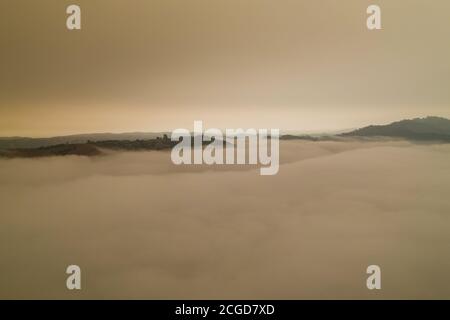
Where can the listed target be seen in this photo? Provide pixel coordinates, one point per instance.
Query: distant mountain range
(22, 142)
(420, 129)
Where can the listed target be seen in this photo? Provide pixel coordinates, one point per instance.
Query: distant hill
(90, 148)
(94, 148)
(21, 142)
(299, 137)
(84, 149)
(422, 129)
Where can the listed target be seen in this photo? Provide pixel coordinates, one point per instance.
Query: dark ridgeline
(419, 129)
(90, 148)
(23, 142)
(139, 144)
(94, 148)
(434, 129)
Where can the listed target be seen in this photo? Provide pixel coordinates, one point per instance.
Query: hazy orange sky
(156, 65)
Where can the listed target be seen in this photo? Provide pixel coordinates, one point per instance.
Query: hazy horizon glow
(161, 64)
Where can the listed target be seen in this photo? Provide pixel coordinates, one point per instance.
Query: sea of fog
(141, 227)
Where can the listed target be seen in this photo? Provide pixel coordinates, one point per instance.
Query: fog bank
(140, 227)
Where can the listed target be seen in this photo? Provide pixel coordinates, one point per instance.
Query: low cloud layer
(139, 227)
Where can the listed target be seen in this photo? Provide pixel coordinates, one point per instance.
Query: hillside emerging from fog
(432, 129)
(90, 148)
(25, 142)
(429, 129)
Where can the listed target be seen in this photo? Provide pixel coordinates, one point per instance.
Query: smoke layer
(140, 227)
